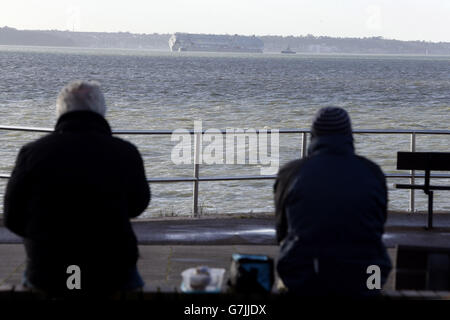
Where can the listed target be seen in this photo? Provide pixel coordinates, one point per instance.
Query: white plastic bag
(192, 276)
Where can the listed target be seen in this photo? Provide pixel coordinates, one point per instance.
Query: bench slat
(420, 186)
(434, 161)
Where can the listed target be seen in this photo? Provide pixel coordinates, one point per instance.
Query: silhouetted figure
(71, 196)
(331, 208)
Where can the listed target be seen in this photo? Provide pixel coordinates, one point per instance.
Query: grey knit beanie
(331, 120)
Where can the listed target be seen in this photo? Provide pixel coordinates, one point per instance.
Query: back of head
(81, 96)
(331, 121)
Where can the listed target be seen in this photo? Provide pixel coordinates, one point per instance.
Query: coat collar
(82, 121)
(332, 144)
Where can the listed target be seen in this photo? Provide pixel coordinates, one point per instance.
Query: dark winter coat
(331, 209)
(71, 196)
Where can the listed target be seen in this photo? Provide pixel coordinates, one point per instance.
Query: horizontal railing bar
(206, 178)
(395, 131)
(417, 175)
(170, 180)
(223, 131)
(235, 178)
(228, 178)
(32, 129)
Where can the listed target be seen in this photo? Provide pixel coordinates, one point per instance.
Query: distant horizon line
(256, 35)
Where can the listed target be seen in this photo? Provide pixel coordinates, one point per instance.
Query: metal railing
(196, 178)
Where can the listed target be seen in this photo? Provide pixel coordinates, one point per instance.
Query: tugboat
(288, 51)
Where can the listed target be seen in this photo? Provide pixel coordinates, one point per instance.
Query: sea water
(147, 90)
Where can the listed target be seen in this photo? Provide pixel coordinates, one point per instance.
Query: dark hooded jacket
(331, 209)
(71, 196)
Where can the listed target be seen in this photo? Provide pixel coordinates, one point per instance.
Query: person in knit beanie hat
(331, 126)
(331, 120)
(330, 209)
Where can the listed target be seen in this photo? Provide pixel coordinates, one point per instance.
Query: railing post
(412, 180)
(304, 144)
(197, 160)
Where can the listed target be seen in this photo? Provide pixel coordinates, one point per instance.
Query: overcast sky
(396, 19)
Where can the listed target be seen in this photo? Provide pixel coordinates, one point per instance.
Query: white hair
(81, 95)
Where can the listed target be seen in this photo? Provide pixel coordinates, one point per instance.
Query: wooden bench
(427, 161)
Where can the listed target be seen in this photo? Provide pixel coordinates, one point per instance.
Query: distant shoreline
(308, 44)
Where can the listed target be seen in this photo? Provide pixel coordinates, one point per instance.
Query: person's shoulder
(371, 165)
(287, 174)
(290, 167)
(368, 162)
(125, 145)
(36, 144)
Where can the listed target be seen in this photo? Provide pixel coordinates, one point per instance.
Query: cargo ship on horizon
(179, 42)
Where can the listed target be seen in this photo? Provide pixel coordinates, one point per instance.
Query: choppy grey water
(152, 90)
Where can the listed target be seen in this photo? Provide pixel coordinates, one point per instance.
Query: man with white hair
(71, 196)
